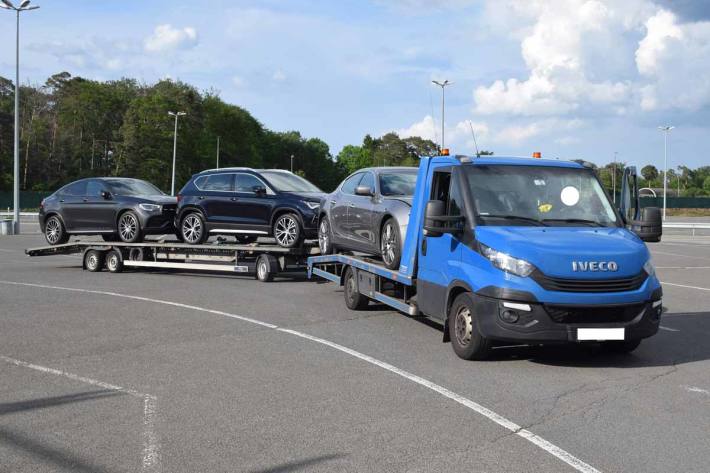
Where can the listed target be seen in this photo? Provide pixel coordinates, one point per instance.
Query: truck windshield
(536, 195)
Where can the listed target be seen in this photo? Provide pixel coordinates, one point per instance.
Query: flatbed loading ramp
(263, 260)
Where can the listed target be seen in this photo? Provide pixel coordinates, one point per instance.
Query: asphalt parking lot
(178, 372)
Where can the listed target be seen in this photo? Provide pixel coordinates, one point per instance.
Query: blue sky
(569, 78)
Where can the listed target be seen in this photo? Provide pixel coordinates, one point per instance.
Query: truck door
(438, 255)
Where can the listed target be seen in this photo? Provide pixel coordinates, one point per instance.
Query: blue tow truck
(516, 250)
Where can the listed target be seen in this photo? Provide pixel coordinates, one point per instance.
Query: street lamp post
(665, 129)
(442, 85)
(218, 152)
(24, 6)
(291, 163)
(176, 115)
(613, 173)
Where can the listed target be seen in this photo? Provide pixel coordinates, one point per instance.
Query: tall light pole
(443, 86)
(291, 163)
(665, 129)
(24, 6)
(176, 115)
(218, 152)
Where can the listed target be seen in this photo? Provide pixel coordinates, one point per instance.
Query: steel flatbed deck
(264, 260)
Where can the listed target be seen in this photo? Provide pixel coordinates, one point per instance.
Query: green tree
(649, 173)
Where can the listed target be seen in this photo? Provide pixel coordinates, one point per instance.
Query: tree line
(71, 127)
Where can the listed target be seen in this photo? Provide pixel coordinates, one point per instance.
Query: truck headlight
(311, 205)
(649, 268)
(149, 207)
(507, 263)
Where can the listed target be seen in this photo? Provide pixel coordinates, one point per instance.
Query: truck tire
(353, 299)
(266, 268)
(93, 261)
(621, 346)
(114, 261)
(466, 340)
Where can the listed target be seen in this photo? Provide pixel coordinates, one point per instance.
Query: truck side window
(445, 189)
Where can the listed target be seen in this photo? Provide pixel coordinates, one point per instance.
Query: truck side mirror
(436, 222)
(647, 222)
(364, 191)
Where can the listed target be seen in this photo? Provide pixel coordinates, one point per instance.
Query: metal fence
(28, 199)
(677, 202)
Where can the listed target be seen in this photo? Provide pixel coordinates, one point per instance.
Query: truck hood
(553, 249)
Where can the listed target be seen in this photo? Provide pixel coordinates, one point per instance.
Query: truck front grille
(593, 315)
(589, 285)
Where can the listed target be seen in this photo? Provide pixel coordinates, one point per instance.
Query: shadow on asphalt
(32, 404)
(299, 465)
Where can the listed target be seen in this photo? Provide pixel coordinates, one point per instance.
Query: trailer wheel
(266, 268)
(621, 346)
(466, 340)
(136, 254)
(114, 262)
(353, 299)
(93, 261)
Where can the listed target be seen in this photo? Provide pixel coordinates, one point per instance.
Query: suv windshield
(132, 187)
(401, 183)
(287, 182)
(536, 195)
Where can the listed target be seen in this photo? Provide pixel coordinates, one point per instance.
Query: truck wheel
(467, 341)
(54, 231)
(325, 237)
(390, 244)
(266, 268)
(93, 260)
(114, 262)
(619, 346)
(353, 299)
(287, 230)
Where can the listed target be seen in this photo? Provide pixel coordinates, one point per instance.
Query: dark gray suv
(115, 208)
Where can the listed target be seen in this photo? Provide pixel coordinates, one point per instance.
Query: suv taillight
(41, 204)
(179, 198)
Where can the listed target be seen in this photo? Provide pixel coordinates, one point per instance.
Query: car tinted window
(132, 187)
(351, 183)
(77, 188)
(247, 182)
(94, 188)
(368, 180)
(217, 183)
(398, 184)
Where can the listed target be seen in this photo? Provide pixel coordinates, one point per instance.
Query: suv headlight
(507, 263)
(649, 267)
(311, 205)
(149, 207)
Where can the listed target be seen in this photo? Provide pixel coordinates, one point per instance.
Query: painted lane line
(561, 454)
(687, 287)
(677, 254)
(543, 444)
(668, 329)
(695, 389)
(151, 444)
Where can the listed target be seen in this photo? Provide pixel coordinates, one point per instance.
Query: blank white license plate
(600, 333)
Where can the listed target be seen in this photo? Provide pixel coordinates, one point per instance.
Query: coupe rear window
(400, 184)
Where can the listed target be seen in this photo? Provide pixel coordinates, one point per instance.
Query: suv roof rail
(227, 169)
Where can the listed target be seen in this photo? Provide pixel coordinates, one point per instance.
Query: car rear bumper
(509, 320)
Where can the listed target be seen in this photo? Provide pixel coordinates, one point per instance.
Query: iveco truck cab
(522, 250)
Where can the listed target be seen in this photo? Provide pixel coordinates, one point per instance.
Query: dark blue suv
(248, 203)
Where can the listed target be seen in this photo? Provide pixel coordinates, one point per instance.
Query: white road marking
(695, 389)
(151, 445)
(550, 448)
(668, 329)
(688, 287)
(677, 254)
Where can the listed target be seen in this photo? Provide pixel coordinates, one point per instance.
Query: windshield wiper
(517, 217)
(593, 223)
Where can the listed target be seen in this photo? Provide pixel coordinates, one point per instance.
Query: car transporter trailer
(263, 260)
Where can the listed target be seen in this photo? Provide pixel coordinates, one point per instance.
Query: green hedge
(677, 202)
(28, 199)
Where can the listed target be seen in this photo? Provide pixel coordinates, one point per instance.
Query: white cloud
(279, 76)
(428, 129)
(583, 57)
(166, 38)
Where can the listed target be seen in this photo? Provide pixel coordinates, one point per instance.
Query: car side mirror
(364, 191)
(106, 195)
(259, 190)
(649, 226)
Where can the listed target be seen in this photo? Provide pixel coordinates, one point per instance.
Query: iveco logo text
(594, 266)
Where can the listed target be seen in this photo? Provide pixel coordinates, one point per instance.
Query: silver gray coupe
(368, 213)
